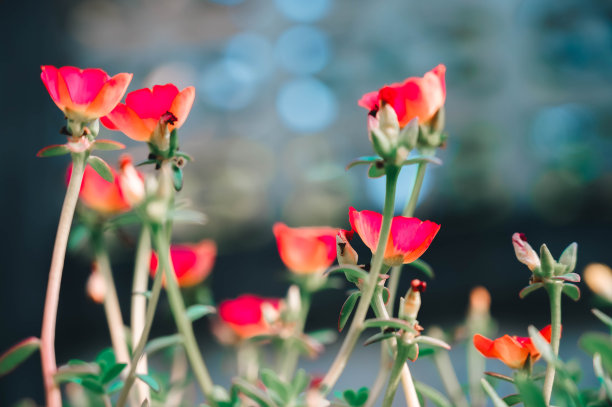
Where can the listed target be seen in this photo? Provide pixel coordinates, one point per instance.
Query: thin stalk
(449, 378)
(182, 322)
(248, 363)
(111, 301)
(410, 393)
(396, 373)
(139, 305)
(178, 374)
(356, 327)
(138, 351)
(381, 378)
(408, 212)
(291, 351)
(47, 336)
(554, 294)
(476, 363)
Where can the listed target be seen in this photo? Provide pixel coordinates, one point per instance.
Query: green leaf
(146, 162)
(93, 385)
(162, 342)
(300, 382)
(198, 311)
(106, 359)
(173, 143)
(513, 399)
(274, 384)
(112, 372)
(253, 392)
(177, 177)
(381, 336)
(324, 336)
(547, 261)
(425, 351)
(500, 376)
(423, 267)
(412, 352)
(595, 342)
(70, 372)
(423, 159)
(571, 277)
(428, 340)
(107, 145)
(388, 323)
(183, 155)
(531, 394)
(606, 319)
(101, 167)
(542, 345)
(115, 387)
(497, 401)
(347, 309)
(151, 382)
(529, 289)
(571, 291)
(363, 160)
(352, 273)
(356, 398)
(568, 257)
(376, 170)
(604, 380)
(17, 354)
(432, 394)
(77, 235)
(53, 150)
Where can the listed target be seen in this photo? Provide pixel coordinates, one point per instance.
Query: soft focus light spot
(306, 105)
(303, 50)
(304, 10)
(179, 73)
(229, 84)
(375, 189)
(253, 51)
(227, 2)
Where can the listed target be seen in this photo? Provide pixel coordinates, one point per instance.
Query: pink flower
(84, 94)
(306, 250)
(244, 315)
(100, 195)
(408, 240)
(145, 108)
(415, 97)
(192, 263)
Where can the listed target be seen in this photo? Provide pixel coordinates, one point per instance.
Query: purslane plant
(406, 127)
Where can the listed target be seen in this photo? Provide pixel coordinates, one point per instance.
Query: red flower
(144, 108)
(84, 94)
(99, 194)
(408, 240)
(306, 250)
(512, 350)
(192, 263)
(244, 314)
(415, 97)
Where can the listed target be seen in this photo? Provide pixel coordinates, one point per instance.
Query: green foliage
(347, 309)
(355, 398)
(53, 150)
(571, 291)
(531, 395)
(395, 323)
(17, 354)
(432, 394)
(101, 167)
(198, 311)
(529, 289)
(595, 342)
(107, 145)
(150, 381)
(352, 273)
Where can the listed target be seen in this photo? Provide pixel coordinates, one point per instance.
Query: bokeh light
(303, 49)
(304, 10)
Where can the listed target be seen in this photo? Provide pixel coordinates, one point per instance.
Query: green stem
(476, 363)
(449, 378)
(291, 351)
(396, 372)
(408, 212)
(111, 300)
(47, 336)
(139, 304)
(356, 327)
(138, 351)
(381, 378)
(554, 294)
(182, 322)
(248, 363)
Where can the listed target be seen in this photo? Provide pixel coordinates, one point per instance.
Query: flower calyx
(392, 143)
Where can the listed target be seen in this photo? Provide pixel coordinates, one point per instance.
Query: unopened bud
(270, 313)
(130, 181)
(294, 300)
(96, 286)
(412, 301)
(388, 122)
(346, 253)
(599, 279)
(524, 253)
(480, 301)
(161, 134)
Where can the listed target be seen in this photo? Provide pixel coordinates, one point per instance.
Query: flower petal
(152, 103)
(109, 96)
(83, 84)
(367, 225)
(509, 350)
(181, 106)
(127, 120)
(306, 250)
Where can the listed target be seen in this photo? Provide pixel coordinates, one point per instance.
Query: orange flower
(143, 110)
(192, 263)
(84, 94)
(306, 250)
(512, 350)
(245, 316)
(99, 194)
(415, 97)
(408, 240)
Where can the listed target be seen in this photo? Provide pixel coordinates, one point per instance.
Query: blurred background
(275, 122)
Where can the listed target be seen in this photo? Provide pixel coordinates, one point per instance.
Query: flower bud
(388, 123)
(161, 134)
(412, 301)
(599, 279)
(294, 300)
(524, 253)
(96, 286)
(480, 301)
(346, 253)
(130, 181)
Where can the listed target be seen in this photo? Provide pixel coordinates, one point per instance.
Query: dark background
(276, 120)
